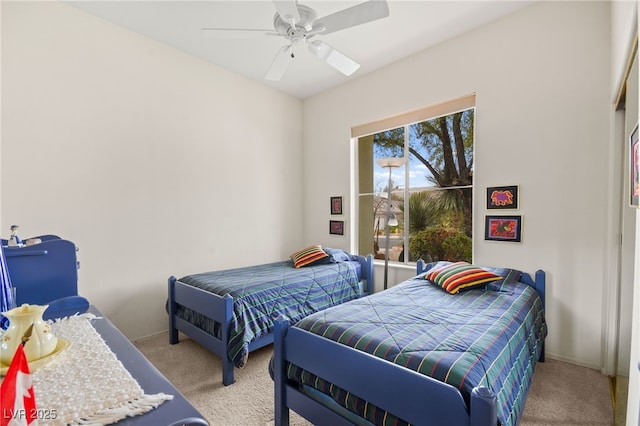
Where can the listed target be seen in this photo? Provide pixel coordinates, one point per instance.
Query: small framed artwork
(336, 227)
(503, 228)
(502, 197)
(634, 168)
(336, 205)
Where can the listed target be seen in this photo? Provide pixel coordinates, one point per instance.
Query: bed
(232, 312)
(416, 354)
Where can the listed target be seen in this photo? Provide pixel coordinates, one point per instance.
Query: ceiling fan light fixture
(319, 49)
(331, 56)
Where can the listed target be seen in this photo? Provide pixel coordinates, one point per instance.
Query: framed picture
(503, 228)
(502, 197)
(336, 205)
(634, 168)
(336, 227)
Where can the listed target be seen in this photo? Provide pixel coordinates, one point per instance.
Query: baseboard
(150, 336)
(570, 360)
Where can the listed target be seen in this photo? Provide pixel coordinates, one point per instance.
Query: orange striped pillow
(456, 276)
(308, 255)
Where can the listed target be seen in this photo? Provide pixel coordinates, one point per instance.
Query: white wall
(152, 161)
(542, 80)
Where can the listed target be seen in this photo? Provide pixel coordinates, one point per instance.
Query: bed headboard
(537, 281)
(366, 268)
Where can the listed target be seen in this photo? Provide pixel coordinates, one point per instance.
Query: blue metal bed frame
(411, 396)
(220, 309)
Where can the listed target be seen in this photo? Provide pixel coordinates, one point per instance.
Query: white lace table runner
(86, 384)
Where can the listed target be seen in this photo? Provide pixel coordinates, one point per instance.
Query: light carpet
(562, 394)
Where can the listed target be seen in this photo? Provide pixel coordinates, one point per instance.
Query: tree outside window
(431, 196)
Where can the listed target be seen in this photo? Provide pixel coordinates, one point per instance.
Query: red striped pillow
(456, 276)
(308, 255)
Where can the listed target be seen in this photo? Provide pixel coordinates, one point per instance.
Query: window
(427, 199)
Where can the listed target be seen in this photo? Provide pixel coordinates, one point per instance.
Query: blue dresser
(44, 271)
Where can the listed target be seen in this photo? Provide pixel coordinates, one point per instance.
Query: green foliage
(458, 247)
(440, 243)
(421, 214)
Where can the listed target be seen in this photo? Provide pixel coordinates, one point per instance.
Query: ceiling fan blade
(228, 33)
(279, 64)
(288, 10)
(336, 59)
(355, 15)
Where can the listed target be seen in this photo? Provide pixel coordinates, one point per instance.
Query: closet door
(627, 259)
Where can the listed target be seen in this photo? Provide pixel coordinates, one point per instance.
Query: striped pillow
(308, 255)
(456, 276)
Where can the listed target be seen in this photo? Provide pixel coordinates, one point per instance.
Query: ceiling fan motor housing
(296, 31)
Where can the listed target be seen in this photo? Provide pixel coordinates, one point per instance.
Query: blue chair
(66, 306)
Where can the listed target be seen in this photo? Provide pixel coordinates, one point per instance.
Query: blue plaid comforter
(483, 337)
(263, 293)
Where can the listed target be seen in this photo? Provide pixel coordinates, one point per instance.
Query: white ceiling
(411, 26)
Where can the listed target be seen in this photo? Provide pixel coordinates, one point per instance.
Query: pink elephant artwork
(502, 197)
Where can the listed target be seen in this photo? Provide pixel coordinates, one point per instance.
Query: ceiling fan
(298, 24)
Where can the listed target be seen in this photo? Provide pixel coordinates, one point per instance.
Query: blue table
(177, 411)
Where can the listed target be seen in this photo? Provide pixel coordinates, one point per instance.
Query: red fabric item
(17, 399)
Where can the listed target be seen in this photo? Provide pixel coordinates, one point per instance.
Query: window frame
(404, 120)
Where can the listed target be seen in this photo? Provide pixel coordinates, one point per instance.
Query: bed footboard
(421, 400)
(217, 308)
